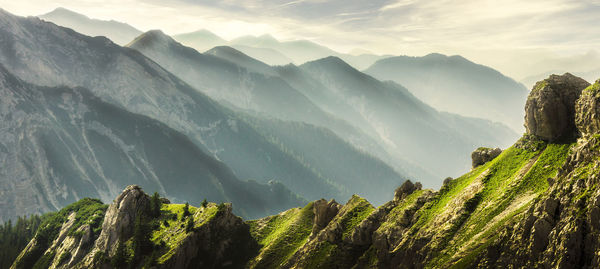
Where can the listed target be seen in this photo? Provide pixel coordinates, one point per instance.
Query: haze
(520, 39)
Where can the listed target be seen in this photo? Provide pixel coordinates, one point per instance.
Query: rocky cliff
(535, 205)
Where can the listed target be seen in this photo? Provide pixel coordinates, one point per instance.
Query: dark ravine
(536, 205)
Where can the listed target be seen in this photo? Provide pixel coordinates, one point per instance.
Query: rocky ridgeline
(537, 205)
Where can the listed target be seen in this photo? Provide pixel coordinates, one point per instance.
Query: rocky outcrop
(120, 218)
(550, 107)
(324, 212)
(406, 189)
(483, 155)
(587, 110)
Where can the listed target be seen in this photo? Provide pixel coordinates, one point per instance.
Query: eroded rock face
(550, 107)
(324, 213)
(587, 110)
(406, 189)
(483, 155)
(120, 217)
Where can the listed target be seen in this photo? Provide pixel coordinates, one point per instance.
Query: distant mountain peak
(152, 37)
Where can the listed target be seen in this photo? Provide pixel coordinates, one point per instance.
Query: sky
(520, 38)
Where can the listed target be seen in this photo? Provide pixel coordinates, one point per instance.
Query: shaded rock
(587, 110)
(120, 218)
(483, 155)
(324, 212)
(406, 189)
(550, 107)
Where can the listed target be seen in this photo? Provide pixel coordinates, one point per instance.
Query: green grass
(175, 232)
(502, 187)
(321, 257)
(88, 211)
(359, 209)
(281, 236)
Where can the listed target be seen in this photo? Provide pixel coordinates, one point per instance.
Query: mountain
(34, 50)
(118, 32)
(301, 51)
(265, 55)
(60, 144)
(250, 86)
(201, 40)
(407, 128)
(534, 205)
(457, 85)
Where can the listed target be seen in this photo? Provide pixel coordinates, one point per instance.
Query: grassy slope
(175, 231)
(281, 235)
(489, 196)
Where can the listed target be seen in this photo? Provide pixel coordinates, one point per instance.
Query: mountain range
(457, 85)
(533, 205)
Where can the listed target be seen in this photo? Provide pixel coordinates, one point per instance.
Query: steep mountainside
(38, 51)
(407, 127)
(457, 85)
(253, 87)
(536, 205)
(118, 32)
(62, 144)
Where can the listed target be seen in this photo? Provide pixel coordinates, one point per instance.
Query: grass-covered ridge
(280, 236)
(87, 211)
(465, 213)
(172, 227)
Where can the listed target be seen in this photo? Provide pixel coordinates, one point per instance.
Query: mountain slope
(251, 86)
(406, 127)
(118, 32)
(534, 205)
(456, 85)
(50, 55)
(63, 144)
(200, 40)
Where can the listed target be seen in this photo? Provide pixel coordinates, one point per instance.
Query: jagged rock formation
(536, 205)
(550, 107)
(587, 116)
(483, 155)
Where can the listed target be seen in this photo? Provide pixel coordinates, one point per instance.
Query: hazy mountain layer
(231, 77)
(407, 128)
(49, 55)
(118, 32)
(457, 85)
(62, 144)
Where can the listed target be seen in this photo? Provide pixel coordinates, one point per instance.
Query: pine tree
(155, 205)
(186, 210)
(190, 225)
(204, 203)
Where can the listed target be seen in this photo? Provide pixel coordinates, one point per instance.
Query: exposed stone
(550, 107)
(324, 212)
(120, 218)
(406, 189)
(483, 155)
(587, 110)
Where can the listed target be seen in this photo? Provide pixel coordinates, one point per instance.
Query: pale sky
(513, 36)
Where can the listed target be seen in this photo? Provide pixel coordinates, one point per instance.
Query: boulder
(587, 110)
(483, 155)
(550, 107)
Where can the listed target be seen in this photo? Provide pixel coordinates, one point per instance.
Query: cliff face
(537, 204)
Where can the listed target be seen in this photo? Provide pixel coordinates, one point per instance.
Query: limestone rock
(550, 107)
(483, 155)
(587, 110)
(324, 212)
(120, 218)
